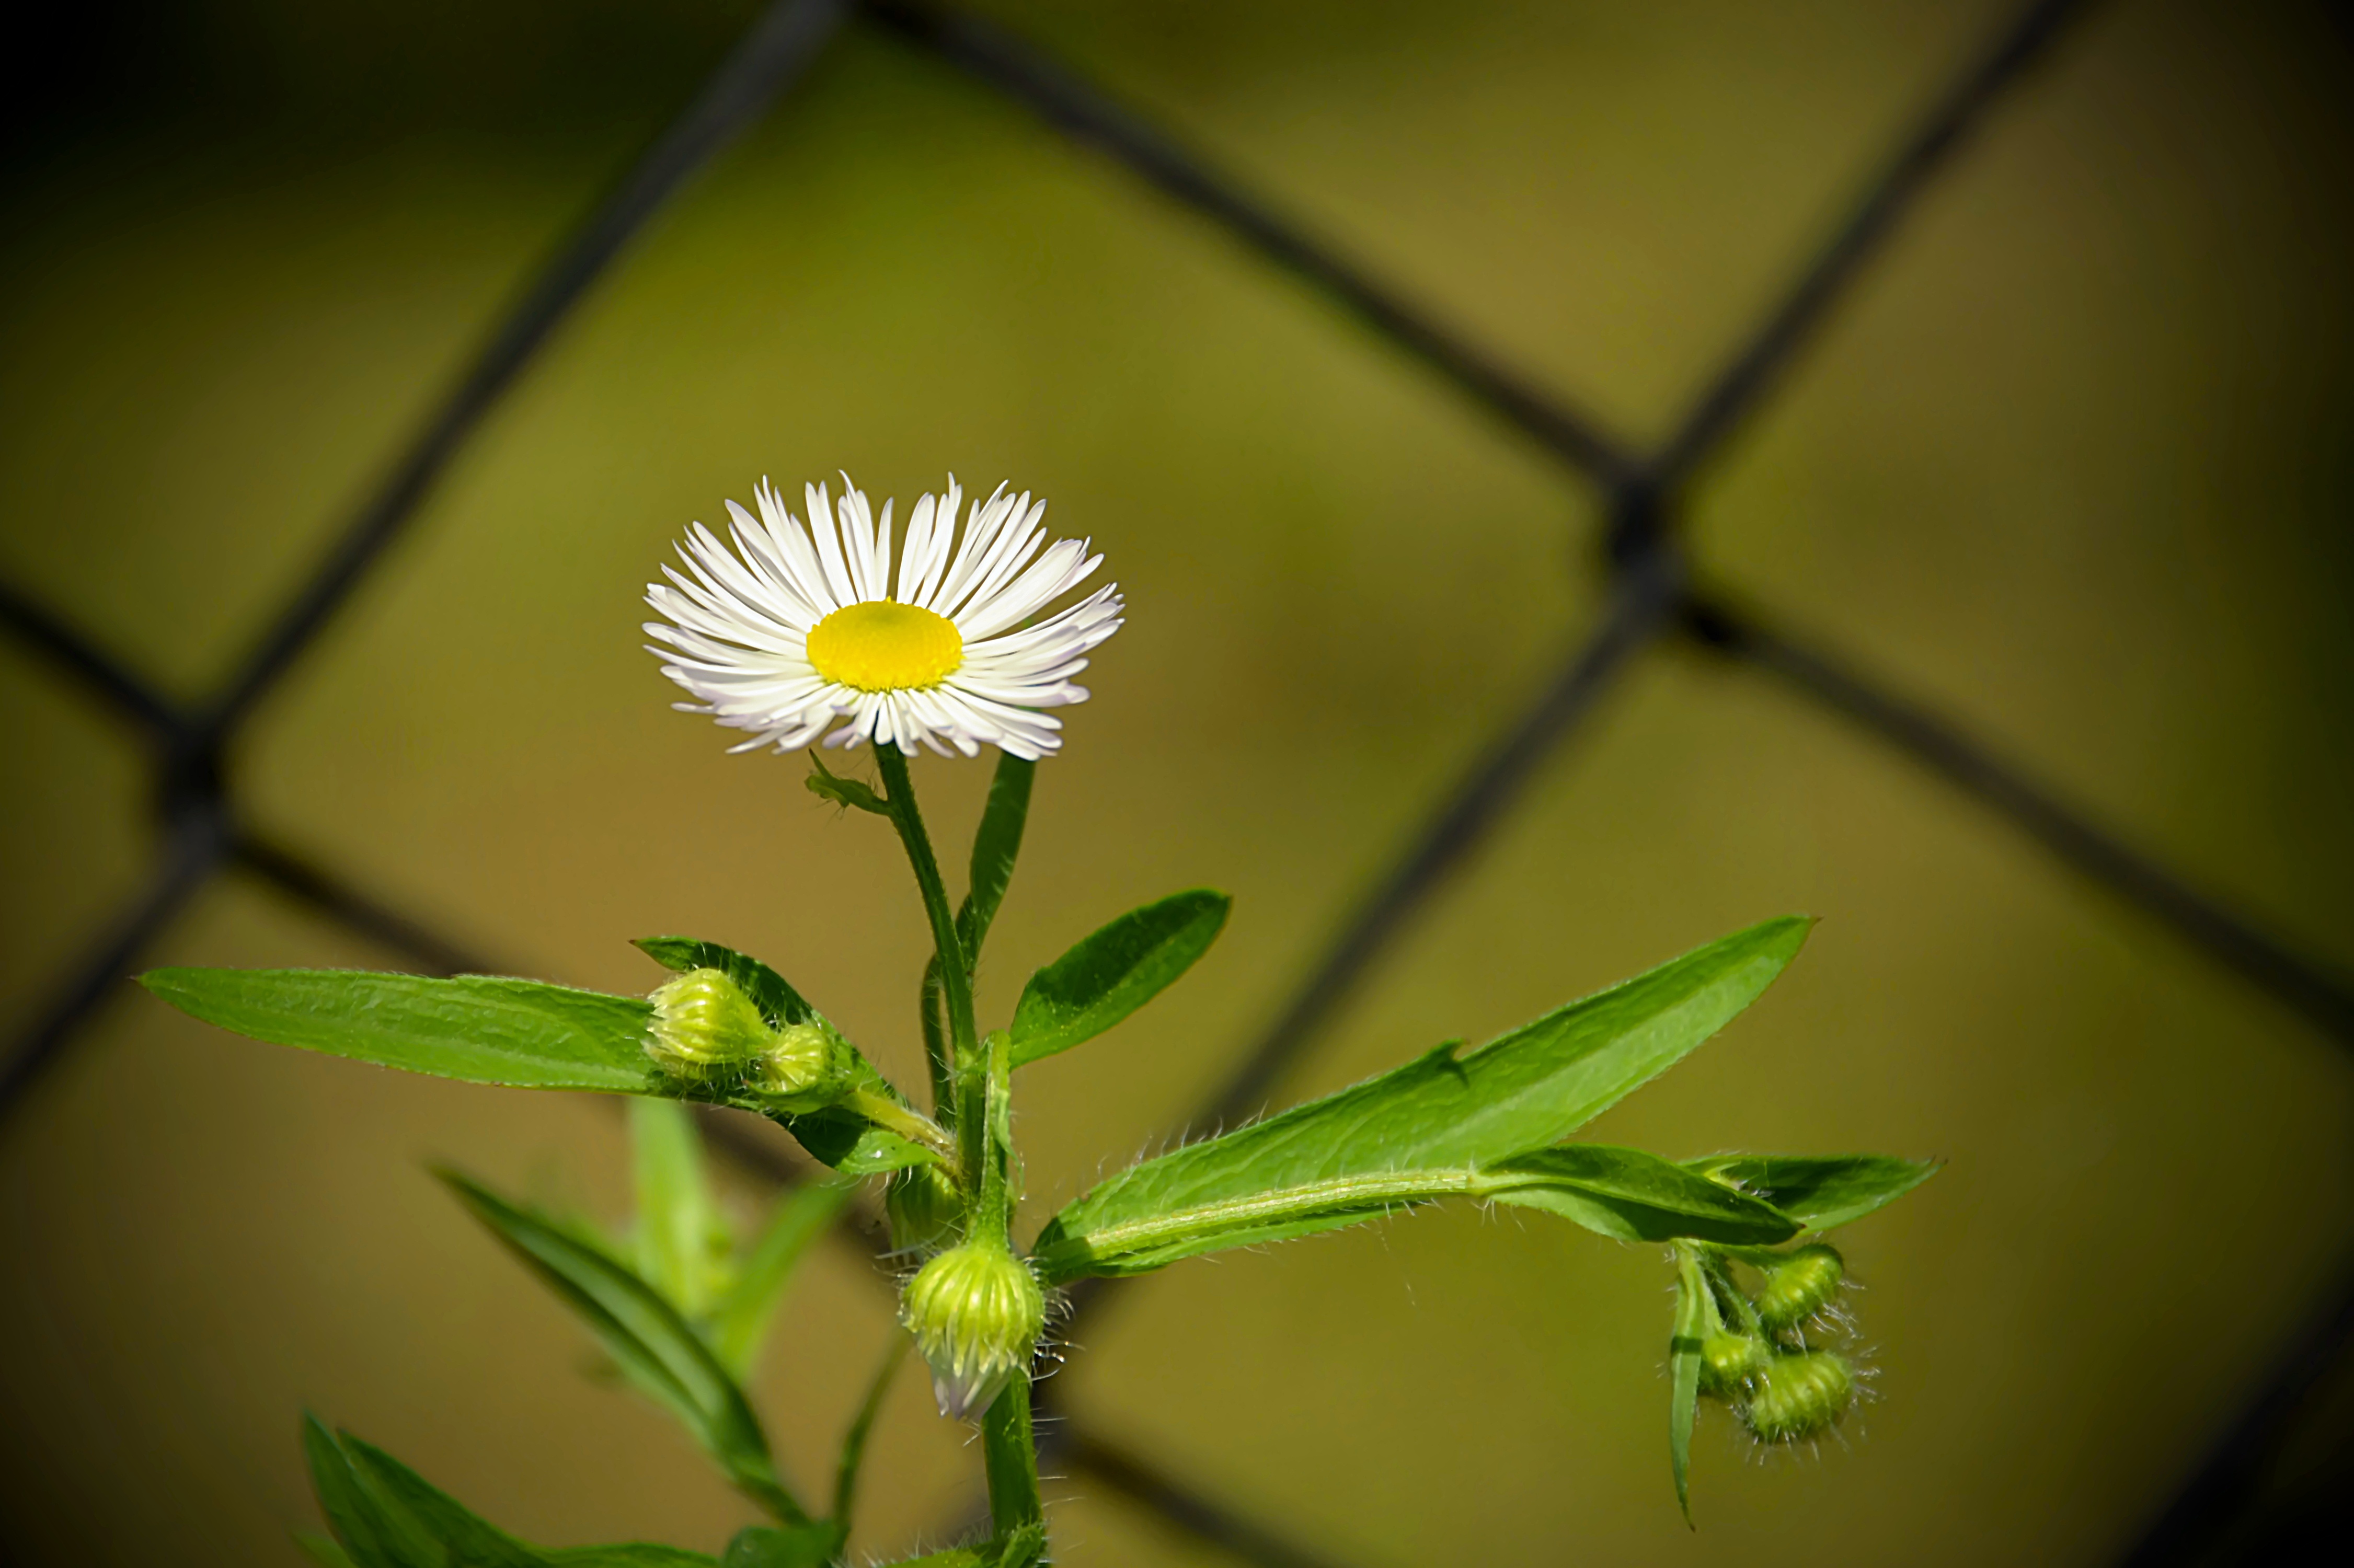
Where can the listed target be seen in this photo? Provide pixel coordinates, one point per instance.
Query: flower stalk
(981, 1120)
(963, 1043)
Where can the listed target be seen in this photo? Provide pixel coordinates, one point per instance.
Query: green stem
(1012, 1454)
(1728, 1290)
(905, 1120)
(935, 1042)
(1008, 1445)
(992, 1214)
(955, 979)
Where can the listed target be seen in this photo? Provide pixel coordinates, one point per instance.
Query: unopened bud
(1728, 1361)
(706, 1028)
(976, 1313)
(924, 1209)
(1798, 1396)
(804, 1067)
(1801, 1286)
(707, 1031)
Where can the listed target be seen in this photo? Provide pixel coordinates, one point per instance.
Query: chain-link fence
(1657, 594)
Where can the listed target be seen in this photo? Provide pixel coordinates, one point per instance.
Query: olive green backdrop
(2073, 462)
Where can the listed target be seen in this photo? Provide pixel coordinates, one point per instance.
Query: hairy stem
(1011, 1453)
(1008, 1447)
(956, 978)
(907, 1122)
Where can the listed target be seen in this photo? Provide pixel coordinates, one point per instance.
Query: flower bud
(704, 1028)
(924, 1209)
(976, 1312)
(1801, 1286)
(707, 1031)
(804, 1067)
(1798, 1396)
(1728, 1361)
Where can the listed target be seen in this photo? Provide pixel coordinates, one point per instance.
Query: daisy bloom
(797, 627)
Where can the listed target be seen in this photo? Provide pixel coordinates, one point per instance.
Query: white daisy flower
(798, 628)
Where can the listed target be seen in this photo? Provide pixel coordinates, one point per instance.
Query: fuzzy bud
(1801, 1286)
(704, 1028)
(1800, 1396)
(976, 1313)
(804, 1067)
(1728, 1361)
(707, 1031)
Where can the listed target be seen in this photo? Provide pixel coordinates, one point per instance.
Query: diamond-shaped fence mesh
(1659, 595)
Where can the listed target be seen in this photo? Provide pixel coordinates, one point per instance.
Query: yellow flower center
(884, 647)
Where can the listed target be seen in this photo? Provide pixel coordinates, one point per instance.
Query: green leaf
(1114, 972)
(1623, 1193)
(837, 1136)
(323, 1551)
(810, 1545)
(465, 1540)
(375, 1536)
(995, 844)
(843, 1140)
(677, 1222)
(1439, 1117)
(830, 786)
(646, 1337)
(476, 1028)
(1695, 1320)
(388, 1516)
(854, 1441)
(1820, 1190)
(779, 1002)
(741, 1318)
(1628, 1195)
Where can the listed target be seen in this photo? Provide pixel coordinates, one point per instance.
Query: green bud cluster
(1800, 1287)
(1783, 1390)
(1729, 1362)
(976, 1312)
(1800, 1396)
(707, 1033)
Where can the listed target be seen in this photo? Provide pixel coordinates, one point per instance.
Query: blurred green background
(2073, 462)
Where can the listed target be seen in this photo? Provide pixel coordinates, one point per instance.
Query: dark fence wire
(1650, 599)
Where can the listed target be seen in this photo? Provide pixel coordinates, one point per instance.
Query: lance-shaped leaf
(1820, 1190)
(1114, 972)
(460, 1536)
(1628, 1195)
(996, 845)
(653, 1346)
(739, 1320)
(477, 1029)
(678, 1223)
(1622, 1193)
(837, 1136)
(368, 1527)
(386, 1515)
(1442, 1113)
(1696, 1318)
